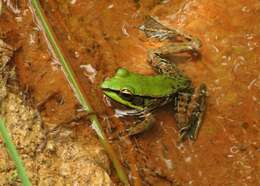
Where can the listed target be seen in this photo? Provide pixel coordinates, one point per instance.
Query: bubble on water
(252, 45)
(234, 149)
(69, 37)
(245, 9)
(215, 48)
(249, 36)
(165, 1)
(180, 147)
(251, 84)
(236, 67)
(124, 30)
(218, 101)
(224, 57)
(168, 163)
(232, 138)
(110, 6)
(254, 98)
(188, 159)
(76, 54)
(242, 58)
(216, 81)
(72, 2)
(224, 64)
(230, 155)
(32, 38)
(19, 19)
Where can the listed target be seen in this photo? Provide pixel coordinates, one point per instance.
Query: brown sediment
(104, 34)
(51, 156)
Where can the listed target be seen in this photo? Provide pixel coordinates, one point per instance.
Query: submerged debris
(14, 7)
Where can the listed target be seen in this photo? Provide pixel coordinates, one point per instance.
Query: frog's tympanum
(145, 93)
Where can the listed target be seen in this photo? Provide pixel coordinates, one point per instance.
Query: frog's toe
(198, 112)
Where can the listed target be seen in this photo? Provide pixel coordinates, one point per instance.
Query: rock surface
(51, 156)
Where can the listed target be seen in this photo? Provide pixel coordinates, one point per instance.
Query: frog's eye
(126, 91)
(122, 72)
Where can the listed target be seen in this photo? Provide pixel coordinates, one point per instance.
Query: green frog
(145, 93)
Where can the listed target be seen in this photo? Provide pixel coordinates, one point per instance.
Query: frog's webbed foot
(198, 106)
(153, 29)
(142, 126)
(189, 124)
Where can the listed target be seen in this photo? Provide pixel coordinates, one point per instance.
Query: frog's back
(143, 85)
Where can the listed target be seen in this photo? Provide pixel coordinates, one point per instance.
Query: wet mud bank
(52, 155)
(98, 37)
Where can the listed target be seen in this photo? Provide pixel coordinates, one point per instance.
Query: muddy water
(100, 36)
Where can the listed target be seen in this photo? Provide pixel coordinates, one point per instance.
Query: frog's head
(119, 83)
(120, 88)
(136, 90)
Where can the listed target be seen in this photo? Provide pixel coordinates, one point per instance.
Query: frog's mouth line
(141, 104)
(124, 99)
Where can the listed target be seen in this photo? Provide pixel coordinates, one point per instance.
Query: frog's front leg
(189, 124)
(142, 126)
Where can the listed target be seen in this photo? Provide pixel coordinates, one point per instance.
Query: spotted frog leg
(187, 124)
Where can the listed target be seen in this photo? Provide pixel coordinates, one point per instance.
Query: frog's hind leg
(162, 65)
(189, 112)
(181, 114)
(198, 106)
(158, 58)
(153, 29)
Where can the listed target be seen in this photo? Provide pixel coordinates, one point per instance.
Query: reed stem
(14, 154)
(74, 82)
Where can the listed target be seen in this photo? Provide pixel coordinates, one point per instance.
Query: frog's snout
(102, 84)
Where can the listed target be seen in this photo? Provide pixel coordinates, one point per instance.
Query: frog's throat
(117, 98)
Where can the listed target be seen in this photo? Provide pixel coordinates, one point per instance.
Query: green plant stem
(78, 90)
(14, 154)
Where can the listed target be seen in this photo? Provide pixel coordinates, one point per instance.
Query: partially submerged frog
(145, 93)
